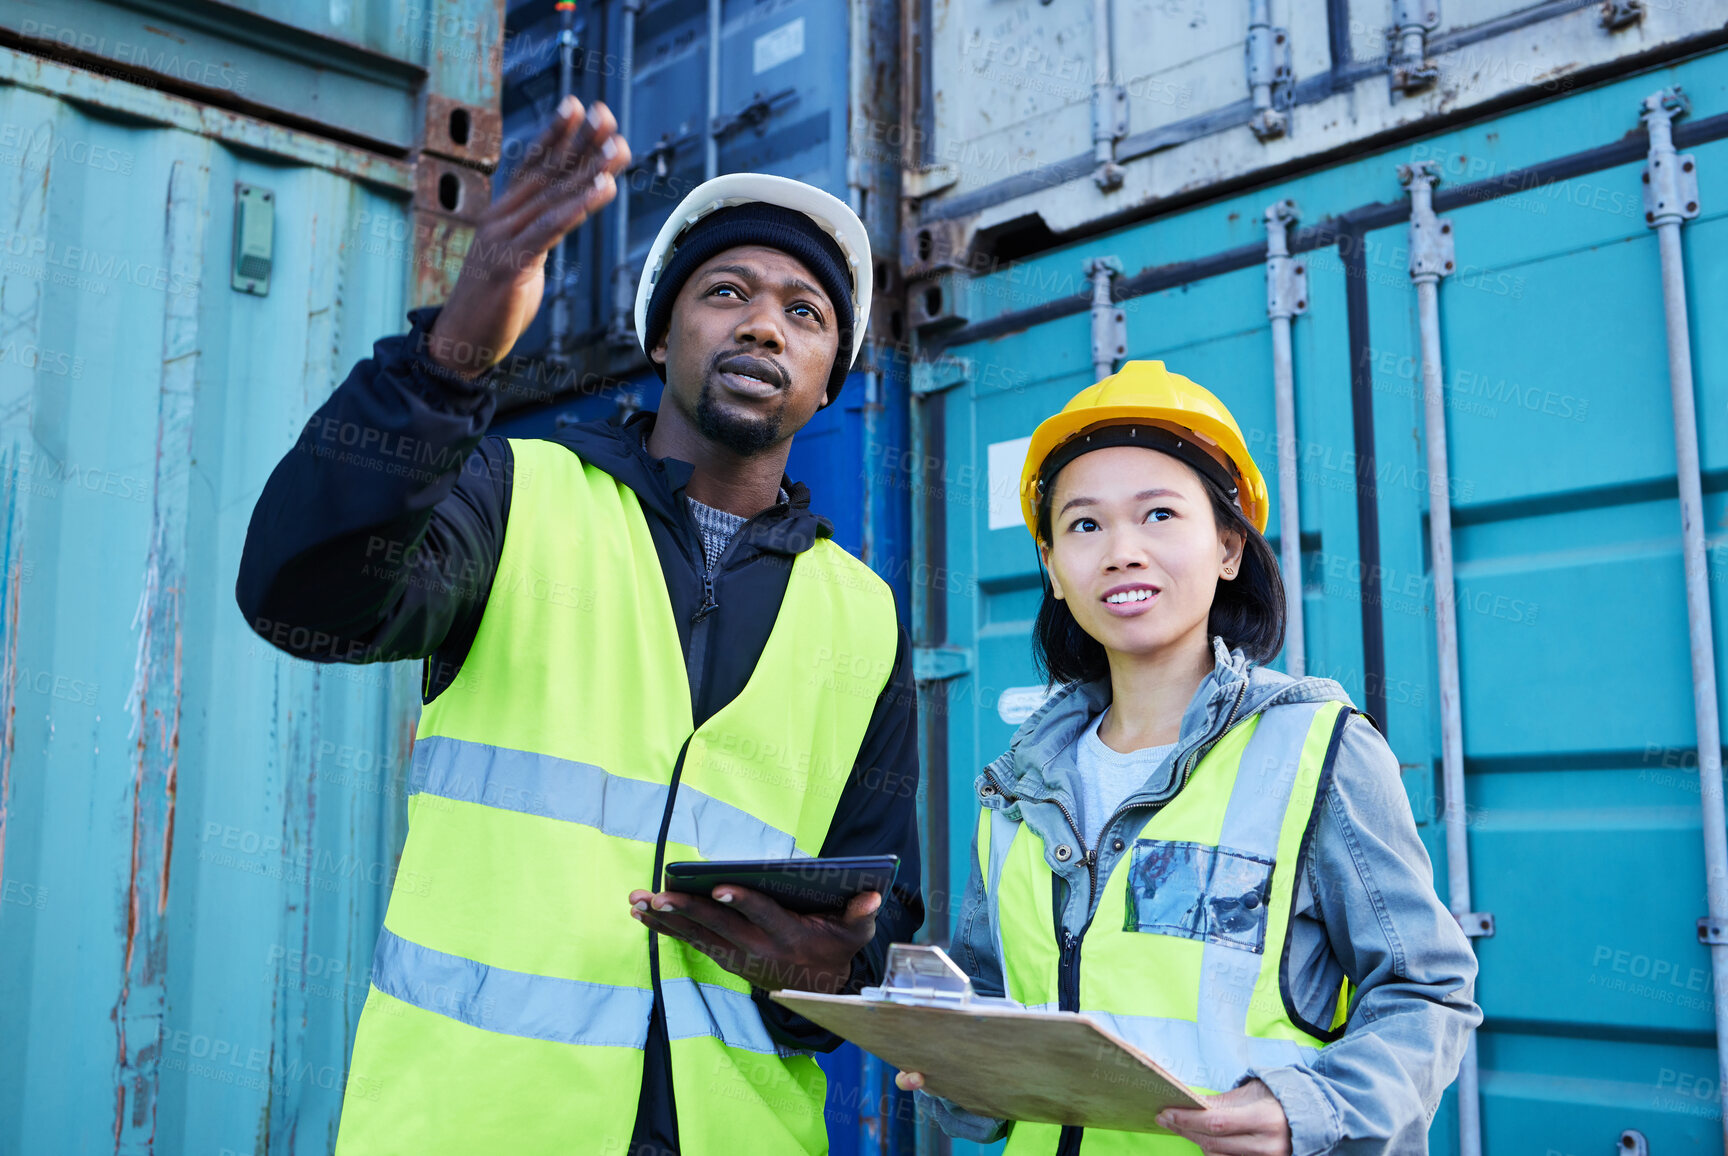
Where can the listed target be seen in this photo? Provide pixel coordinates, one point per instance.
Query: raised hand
(567, 174)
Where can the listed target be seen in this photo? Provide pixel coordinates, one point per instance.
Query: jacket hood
(658, 483)
(1234, 689)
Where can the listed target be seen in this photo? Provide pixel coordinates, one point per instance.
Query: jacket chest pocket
(1196, 891)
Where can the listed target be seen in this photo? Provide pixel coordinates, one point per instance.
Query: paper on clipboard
(994, 1057)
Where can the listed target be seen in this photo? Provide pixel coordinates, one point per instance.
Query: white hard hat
(829, 212)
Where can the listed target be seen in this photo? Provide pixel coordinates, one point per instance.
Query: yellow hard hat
(1145, 394)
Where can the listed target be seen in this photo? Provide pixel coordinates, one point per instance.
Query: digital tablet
(807, 886)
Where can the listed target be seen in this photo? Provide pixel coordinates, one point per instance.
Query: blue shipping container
(1583, 807)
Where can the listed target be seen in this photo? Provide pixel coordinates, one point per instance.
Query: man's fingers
(554, 222)
(861, 907)
(721, 920)
(580, 148)
(762, 912)
(529, 178)
(557, 192)
(695, 934)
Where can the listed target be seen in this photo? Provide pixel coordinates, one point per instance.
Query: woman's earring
(1229, 572)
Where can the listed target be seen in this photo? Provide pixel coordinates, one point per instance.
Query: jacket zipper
(695, 673)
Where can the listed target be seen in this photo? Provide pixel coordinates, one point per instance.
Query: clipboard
(991, 1055)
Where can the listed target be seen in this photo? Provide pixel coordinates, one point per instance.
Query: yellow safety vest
(1185, 955)
(511, 989)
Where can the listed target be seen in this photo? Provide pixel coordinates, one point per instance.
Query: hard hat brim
(1058, 428)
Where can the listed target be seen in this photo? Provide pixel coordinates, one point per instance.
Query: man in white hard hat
(641, 646)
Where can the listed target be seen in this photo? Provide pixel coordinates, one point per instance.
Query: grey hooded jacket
(1365, 907)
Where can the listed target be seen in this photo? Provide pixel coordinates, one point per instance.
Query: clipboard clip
(922, 973)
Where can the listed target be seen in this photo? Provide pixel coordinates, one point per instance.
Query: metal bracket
(936, 663)
(1432, 253)
(928, 180)
(1109, 125)
(1633, 1143)
(1712, 932)
(1270, 73)
(1412, 71)
(922, 974)
(254, 239)
(1286, 276)
(759, 108)
(621, 329)
(1670, 178)
(1109, 322)
(936, 376)
(1618, 14)
(1671, 189)
(1109, 112)
(1477, 924)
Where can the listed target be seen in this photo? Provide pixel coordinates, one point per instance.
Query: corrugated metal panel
(1008, 131)
(197, 834)
(1584, 822)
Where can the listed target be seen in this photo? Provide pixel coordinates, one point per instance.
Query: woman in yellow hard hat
(1213, 859)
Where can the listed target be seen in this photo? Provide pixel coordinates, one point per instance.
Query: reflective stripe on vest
(511, 988)
(1184, 957)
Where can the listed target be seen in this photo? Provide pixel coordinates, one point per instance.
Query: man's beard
(744, 436)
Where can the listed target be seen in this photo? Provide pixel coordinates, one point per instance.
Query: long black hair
(1248, 611)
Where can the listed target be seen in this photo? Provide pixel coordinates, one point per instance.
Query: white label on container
(777, 47)
(1017, 703)
(1006, 460)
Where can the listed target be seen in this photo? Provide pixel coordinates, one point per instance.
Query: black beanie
(775, 227)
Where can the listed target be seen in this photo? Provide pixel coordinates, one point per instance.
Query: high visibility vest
(511, 988)
(1185, 955)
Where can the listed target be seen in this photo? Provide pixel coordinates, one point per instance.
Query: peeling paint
(155, 701)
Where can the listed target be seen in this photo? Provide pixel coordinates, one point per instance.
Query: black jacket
(376, 539)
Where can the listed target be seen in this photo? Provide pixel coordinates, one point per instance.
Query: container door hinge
(1109, 321)
(1477, 924)
(1433, 254)
(940, 374)
(1633, 1143)
(1670, 178)
(1286, 276)
(1712, 932)
(754, 114)
(1412, 71)
(1269, 73)
(1620, 14)
(1109, 125)
(928, 180)
(936, 663)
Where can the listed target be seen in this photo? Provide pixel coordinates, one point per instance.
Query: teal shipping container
(208, 213)
(1581, 811)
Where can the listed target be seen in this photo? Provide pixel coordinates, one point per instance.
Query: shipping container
(1581, 807)
(1039, 120)
(790, 87)
(208, 213)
